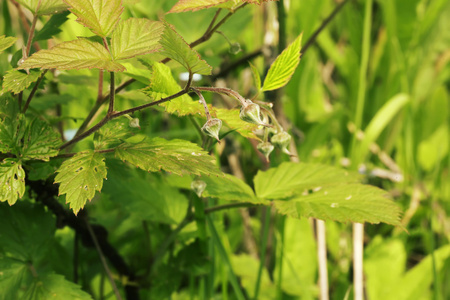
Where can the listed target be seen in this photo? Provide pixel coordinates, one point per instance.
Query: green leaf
(12, 125)
(141, 75)
(78, 54)
(136, 37)
(177, 49)
(51, 27)
(175, 156)
(162, 84)
(44, 7)
(229, 188)
(16, 81)
(232, 120)
(256, 76)
(40, 141)
(11, 275)
(283, 67)
(12, 180)
(113, 133)
(294, 178)
(54, 286)
(193, 5)
(101, 16)
(352, 202)
(79, 178)
(6, 42)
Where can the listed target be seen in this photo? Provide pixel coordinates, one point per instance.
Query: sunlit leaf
(101, 16)
(136, 37)
(232, 120)
(6, 42)
(16, 81)
(293, 178)
(113, 133)
(344, 203)
(12, 180)
(78, 54)
(175, 156)
(55, 286)
(162, 84)
(79, 178)
(44, 7)
(40, 141)
(283, 67)
(193, 5)
(177, 49)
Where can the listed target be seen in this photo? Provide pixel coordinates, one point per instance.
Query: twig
(103, 260)
(33, 91)
(111, 95)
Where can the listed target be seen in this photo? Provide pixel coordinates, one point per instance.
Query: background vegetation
(371, 94)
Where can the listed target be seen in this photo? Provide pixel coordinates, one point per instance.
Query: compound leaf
(101, 16)
(177, 49)
(162, 84)
(40, 141)
(12, 180)
(344, 203)
(193, 5)
(175, 156)
(283, 67)
(79, 178)
(16, 81)
(294, 178)
(44, 7)
(6, 42)
(54, 286)
(78, 54)
(136, 37)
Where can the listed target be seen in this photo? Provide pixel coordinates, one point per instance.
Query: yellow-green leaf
(40, 141)
(136, 37)
(6, 42)
(193, 5)
(45, 7)
(78, 54)
(177, 49)
(79, 178)
(231, 119)
(12, 181)
(16, 81)
(283, 67)
(101, 16)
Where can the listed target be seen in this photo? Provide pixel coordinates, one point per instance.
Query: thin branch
(30, 36)
(232, 66)
(33, 91)
(100, 86)
(111, 95)
(211, 24)
(224, 91)
(103, 260)
(322, 26)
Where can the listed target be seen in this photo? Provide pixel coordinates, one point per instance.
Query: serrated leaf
(136, 37)
(12, 180)
(162, 84)
(355, 202)
(12, 125)
(54, 286)
(175, 156)
(232, 120)
(282, 69)
(40, 141)
(79, 178)
(259, 2)
(101, 16)
(177, 49)
(11, 275)
(294, 178)
(51, 27)
(256, 77)
(6, 42)
(193, 5)
(78, 54)
(16, 81)
(229, 188)
(45, 7)
(113, 133)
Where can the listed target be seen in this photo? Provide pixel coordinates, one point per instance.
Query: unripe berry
(198, 186)
(251, 113)
(212, 128)
(282, 140)
(266, 148)
(134, 123)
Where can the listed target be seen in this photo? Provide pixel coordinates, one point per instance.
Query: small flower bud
(235, 48)
(282, 140)
(134, 123)
(251, 113)
(266, 148)
(212, 128)
(198, 186)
